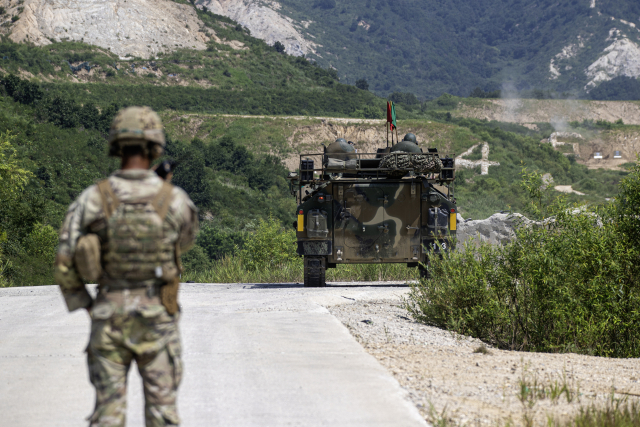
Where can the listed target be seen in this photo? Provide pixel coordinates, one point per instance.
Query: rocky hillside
(137, 28)
(429, 47)
(265, 22)
(425, 47)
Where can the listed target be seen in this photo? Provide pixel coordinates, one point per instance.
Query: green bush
(218, 243)
(569, 285)
(42, 242)
(195, 260)
(370, 112)
(269, 246)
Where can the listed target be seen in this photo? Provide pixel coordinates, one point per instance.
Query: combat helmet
(410, 137)
(340, 149)
(137, 126)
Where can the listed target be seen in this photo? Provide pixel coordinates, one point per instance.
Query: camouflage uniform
(128, 320)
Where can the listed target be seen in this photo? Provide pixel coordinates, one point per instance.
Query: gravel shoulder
(448, 377)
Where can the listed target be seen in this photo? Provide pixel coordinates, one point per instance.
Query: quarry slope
(529, 111)
(265, 22)
(136, 28)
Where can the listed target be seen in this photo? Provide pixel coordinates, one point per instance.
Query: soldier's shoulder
(88, 195)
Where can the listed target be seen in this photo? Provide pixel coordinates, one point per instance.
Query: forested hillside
(428, 47)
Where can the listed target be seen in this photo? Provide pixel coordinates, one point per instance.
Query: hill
(570, 48)
(428, 47)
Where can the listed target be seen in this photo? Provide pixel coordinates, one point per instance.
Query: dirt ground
(457, 378)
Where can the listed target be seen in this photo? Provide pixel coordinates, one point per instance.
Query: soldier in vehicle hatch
(127, 233)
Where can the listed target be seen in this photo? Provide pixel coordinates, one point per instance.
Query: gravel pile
(453, 377)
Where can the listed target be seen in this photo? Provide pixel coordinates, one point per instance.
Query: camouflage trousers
(128, 325)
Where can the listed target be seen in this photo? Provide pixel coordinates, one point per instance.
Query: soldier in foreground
(127, 233)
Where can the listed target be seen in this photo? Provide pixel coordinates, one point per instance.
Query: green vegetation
(617, 413)
(569, 284)
(619, 89)
(341, 100)
(58, 163)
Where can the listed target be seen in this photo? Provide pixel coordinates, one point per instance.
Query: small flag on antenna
(391, 114)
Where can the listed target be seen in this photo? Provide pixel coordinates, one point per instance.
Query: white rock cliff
(264, 22)
(621, 58)
(140, 28)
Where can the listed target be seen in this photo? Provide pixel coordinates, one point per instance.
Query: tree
(362, 84)
(404, 98)
(12, 177)
(279, 47)
(325, 4)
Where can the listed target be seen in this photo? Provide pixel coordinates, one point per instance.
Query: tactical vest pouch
(87, 258)
(169, 295)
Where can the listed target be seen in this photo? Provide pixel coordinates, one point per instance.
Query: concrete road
(255, 355)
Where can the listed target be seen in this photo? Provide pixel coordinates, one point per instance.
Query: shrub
(42, 242)
(324, 4)
(269, 246)
(279, 47)
(447, 101)
(404, 98)
(569, 283)
(217, 243)
(12, 177)
(362, 84)
(370, 112)
(195, 260)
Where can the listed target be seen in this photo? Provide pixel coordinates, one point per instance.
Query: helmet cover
(137, 126)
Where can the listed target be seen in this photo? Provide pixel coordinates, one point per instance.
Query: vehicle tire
(314, 272)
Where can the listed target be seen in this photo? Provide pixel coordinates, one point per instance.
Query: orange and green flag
(391, 114)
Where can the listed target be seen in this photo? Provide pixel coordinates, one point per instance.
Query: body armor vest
(136, 248)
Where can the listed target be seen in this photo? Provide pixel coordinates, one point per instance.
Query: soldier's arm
(74, 225)
(189, 223)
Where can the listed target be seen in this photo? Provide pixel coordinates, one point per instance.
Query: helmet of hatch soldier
(139, 126)
(406, 147)
(340, 149)
(410, 137)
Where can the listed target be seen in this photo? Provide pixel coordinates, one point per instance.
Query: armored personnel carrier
(393, 206)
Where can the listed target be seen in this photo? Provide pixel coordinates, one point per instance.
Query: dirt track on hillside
(552, 111)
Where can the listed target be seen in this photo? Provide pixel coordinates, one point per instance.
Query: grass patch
(233, 269)
(617, 413)
(482, 349)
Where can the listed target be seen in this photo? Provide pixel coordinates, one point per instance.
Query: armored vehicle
(393, 206)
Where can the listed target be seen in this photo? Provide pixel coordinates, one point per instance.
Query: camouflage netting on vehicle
(420, 163)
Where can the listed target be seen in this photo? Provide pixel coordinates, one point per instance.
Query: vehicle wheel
(314, 269)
